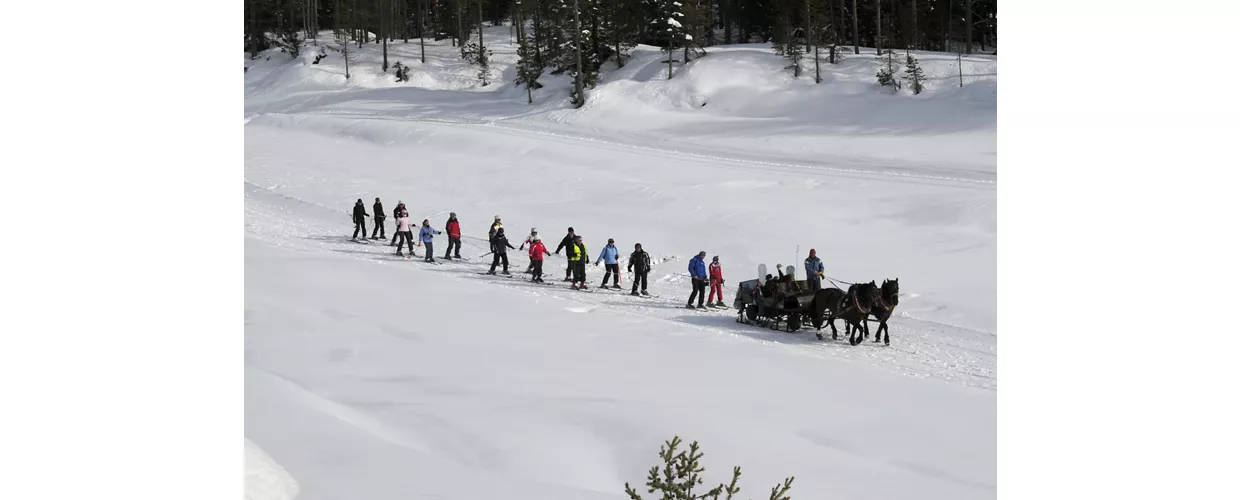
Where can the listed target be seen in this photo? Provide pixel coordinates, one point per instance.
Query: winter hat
(609, 240)
(570, 229)
(533, 230)
(637, 246)
(813, 252)
(376, 199)
(453, 214)
(499, 232)
(496, 217)
(359, 201)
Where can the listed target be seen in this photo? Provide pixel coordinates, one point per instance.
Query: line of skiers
(701, 274)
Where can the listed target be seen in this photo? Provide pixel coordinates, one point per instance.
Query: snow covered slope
(374, 377)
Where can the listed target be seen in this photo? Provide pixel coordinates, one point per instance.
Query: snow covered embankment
(264, 478)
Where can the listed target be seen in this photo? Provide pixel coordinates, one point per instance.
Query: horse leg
(886, 334)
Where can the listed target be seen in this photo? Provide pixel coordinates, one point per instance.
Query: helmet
(533, 230)
(496, 217)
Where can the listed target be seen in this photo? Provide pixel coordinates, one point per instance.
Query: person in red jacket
(537, 250)
(454, 237)
(716, 283)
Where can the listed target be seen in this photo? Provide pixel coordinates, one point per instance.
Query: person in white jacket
(404, 232)
(529, 240)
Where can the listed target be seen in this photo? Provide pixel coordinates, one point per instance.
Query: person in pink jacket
(404, 232)
(715, 271)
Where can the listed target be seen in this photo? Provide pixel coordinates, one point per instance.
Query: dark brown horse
(884, 307)
(853, 306)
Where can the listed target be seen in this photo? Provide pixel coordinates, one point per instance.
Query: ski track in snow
(919, 348)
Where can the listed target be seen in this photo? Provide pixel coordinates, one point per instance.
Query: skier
(697, 271)
(380, 231)
(495, 226)
(577, 253)
(567, 242)
(529, 240)
(537, 250)
(609, 256)
(427, 235)
(641, 260)
(403, 232)
(716, 283)
(400, 206)
(454, 237)
(814, 271)
(359, 218)
(499, 245)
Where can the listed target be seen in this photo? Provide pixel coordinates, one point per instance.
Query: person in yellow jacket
(577, 253)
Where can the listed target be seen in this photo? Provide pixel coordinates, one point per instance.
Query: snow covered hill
(375, 377)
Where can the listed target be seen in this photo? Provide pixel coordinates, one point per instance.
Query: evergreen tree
(679, 476)
(886, 72)
(913, 74)
(670, 29)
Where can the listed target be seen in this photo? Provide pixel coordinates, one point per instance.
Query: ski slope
(369, 376)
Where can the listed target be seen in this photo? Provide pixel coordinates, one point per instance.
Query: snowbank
(736, 99)
(264, 478)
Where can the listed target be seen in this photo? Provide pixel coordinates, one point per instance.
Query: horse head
(891, 292)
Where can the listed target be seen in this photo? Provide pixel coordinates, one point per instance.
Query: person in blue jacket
(814, 270)
(697, 271)
(427, 236)
(610, 256)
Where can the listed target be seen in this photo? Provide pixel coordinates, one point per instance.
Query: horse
(853, 306)
(888, 299)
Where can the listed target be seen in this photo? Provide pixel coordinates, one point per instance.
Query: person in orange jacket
(716, 283)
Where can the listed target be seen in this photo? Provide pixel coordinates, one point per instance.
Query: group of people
(702, 275)
(404, 230)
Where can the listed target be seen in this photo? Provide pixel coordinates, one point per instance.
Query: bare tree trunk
(581, 96)
(915, 31)
(968, 27)
(725, 10)
(878, 26)
(807, 27)
(856, 31)
(422, 30)
(480, 47)
(383, 34)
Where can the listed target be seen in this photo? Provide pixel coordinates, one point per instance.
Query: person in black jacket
(400, 206)
(639, 265)
(380, 232)
(500, 246)
(359, 218)
(567, 242)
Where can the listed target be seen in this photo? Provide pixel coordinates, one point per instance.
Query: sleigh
(781, 308)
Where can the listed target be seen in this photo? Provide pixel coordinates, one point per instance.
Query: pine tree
(670, 29)
(886, 73)
(913, 74)
(679, 476)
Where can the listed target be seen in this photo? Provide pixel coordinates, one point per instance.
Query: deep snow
(373, 377)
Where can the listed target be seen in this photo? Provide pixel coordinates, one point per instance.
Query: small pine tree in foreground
(914, 75)
(886, 73)
(679, 476)
(402, 72)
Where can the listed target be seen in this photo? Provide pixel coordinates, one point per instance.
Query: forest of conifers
(945, 25)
